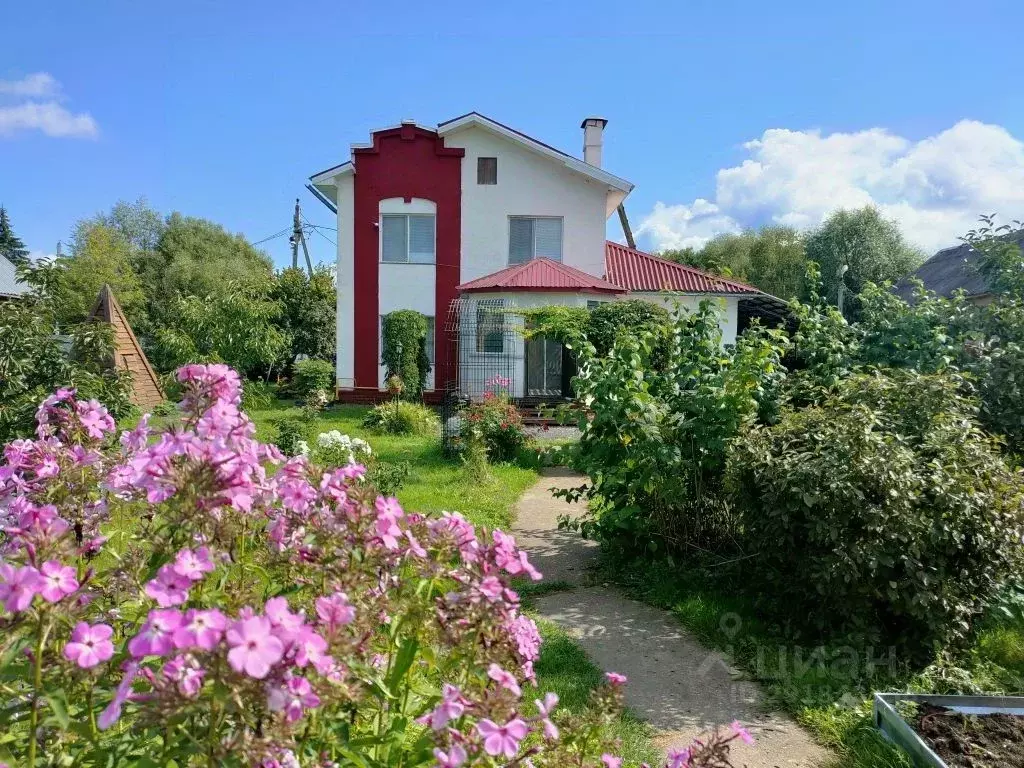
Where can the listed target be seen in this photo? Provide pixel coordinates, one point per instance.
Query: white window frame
(561, 239)
(408, 236)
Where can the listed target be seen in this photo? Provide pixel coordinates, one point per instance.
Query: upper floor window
(407, 238)
(487, 170)
(534, 238)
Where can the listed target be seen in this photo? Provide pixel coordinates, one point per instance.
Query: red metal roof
(540, 275)
(638, 271)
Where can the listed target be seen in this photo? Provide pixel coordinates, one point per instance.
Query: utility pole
(299, 237)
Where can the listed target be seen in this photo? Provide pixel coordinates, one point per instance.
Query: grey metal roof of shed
(9, 285)
(950, 270)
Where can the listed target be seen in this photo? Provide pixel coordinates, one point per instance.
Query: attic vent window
(487, 170)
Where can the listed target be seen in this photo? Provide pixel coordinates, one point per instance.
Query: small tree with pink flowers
(193, 596)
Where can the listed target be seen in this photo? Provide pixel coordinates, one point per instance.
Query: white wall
(344, 335)
(727, 306)
(528, 185)
(406, 286)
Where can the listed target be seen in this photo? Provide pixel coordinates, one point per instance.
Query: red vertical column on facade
(405, 162)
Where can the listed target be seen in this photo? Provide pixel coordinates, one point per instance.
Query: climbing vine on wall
(405, 350)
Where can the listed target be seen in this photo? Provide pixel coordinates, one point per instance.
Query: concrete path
(676, 684)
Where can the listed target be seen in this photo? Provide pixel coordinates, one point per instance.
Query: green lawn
(437, 483)
(831, 698)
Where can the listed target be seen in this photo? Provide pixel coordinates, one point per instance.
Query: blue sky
(223, 109)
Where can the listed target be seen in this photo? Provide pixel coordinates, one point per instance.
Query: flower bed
(192, 595)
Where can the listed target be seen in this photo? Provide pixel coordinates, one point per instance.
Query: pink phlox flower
(112, 713)
(136, 439)
(678, 758)
(502, 739)
(89, 645)
(57, 581)
(310, 647)
(169, 587)
(286, 624)
(294, 696)
(451, 707)
(193, 565)
(742, 732)
(254, 648)
(527, 637)
(389, 512)
(335, 611)
(95, 419)
(615, 678)
(492, 588)
(201, 629)
(297, 495)
(18, 586)
(545, 708)
(527, 568)
(156, 636)
(611, 761)
(186, 672)
(414, 545)
(505, 679)
(453, 758)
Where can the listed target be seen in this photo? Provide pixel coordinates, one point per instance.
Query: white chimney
(593, 130)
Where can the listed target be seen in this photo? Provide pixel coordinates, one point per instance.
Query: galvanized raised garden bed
(898, 731)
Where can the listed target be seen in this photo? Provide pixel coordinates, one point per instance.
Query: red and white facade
(426, 215)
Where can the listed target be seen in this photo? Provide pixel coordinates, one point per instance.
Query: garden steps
(676, 684)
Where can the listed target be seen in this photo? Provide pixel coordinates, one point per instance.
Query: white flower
(301, 448)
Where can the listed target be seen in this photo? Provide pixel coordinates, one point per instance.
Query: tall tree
(196, 257)
(11, 246)
(99, 255)
(870, 247)
(308, 305)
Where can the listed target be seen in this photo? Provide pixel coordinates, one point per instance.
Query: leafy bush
(655, 446)
(33, 361)
(498, 421)
(388, 477)
(885, 512)
(404, 350)
(165, 408)
(257, 395)
(610, 318)
(400, 417)
(311, 375)
(333, 449)
(291, 433)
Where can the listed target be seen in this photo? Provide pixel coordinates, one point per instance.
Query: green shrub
(655, 446)
(387, 477)
(404, 350)
(608, 319)
(291, 436)
(884, 513)
(400, 417)
(257, 395)
(311, 375)
(165, 408)
(499, 423)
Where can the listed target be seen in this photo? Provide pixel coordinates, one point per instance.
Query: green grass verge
(829, 689)
(564, 668)
(437, 483)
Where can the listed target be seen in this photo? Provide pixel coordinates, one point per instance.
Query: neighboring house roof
(951, 270)
(540, 275)
(9, 283)
(638, 271)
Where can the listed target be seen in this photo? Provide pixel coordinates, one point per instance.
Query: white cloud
(33, 104)
(36, 85)
(935, 188)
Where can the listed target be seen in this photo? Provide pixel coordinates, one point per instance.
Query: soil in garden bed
(972, 741)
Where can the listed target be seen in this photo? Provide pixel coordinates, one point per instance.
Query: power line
(278, 234)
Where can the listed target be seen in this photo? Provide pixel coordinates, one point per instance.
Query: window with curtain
(533, 238)
(490, 328)
(487, 170)
(407, 238)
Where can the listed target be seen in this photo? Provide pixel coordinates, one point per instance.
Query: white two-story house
(472, 215)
